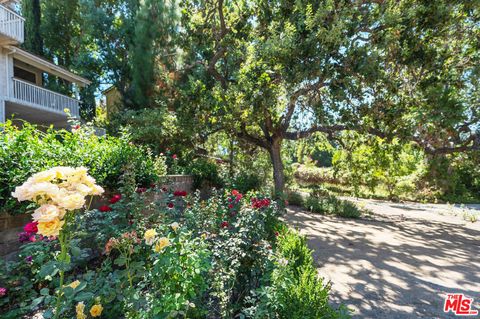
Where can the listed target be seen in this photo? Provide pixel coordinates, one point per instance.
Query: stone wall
(10, 227)
(178, 182)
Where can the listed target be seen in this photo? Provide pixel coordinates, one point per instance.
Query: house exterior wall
(6, 73)
(112, 100)
(3, 83)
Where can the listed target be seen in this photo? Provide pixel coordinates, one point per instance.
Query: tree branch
(287, 117)
(221, 50)
(243, 134)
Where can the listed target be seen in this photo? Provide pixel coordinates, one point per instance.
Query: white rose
(47, 213)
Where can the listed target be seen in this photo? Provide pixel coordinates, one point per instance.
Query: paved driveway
(398, 262)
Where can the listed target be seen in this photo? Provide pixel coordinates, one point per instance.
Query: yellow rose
(61, 172)
(149, 236)
(51, 228)
(161, 243)
(47, 213)
(45, 176)
(96, 310)
(83, 189)
(77, 175)
(74, 284)
(43, 190)
(96, 190)
(80, 310)
(23, 193)
(71, 202)
(174, 226)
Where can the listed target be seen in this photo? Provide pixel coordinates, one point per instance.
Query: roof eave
(48, 66)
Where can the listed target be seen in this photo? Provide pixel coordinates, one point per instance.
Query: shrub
(294, 289)
(295, 198)
(26, 151)
(164, 258)
(332, 205)
(205, 173)
(246, 182)
(312, 175)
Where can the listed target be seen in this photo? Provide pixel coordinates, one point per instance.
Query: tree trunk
(278, 173)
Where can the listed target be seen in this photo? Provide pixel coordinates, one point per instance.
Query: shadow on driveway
(399, 268)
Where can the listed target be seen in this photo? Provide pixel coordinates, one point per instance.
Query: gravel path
(397, 262)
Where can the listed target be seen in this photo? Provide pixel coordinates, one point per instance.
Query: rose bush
(161, 254)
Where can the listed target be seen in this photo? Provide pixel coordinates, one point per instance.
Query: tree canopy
(269, 71)
(274, 70)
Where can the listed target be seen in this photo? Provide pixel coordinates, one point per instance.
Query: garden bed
(225, 257)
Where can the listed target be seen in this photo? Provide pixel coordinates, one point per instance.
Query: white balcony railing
(11, 24)
(33, 94)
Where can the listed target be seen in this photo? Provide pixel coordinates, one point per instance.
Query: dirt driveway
(398, 262)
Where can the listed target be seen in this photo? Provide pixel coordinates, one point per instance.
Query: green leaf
(44, 291)
(84, 296)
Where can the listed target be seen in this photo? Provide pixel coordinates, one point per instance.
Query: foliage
(26, 151)
(247, 181)
(371, 161)
(312, 175)
(294, 289)
(205, 173)
(331, 205)
(204, 259)
(256, 71)
(295, 198)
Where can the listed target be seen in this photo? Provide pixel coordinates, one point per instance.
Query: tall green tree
(267, 71)
(32, 13)
(150, 56)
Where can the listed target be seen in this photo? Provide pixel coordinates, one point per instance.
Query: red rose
(230, 206)
(164, 189)
(276, 234)
(179, 193)
(105, 208)
(224, 224)
(76, 127)
(230, 199)
(115, 198)
(259, 203)
(141, 190)
(31, 228)
(170, 205)
(174, 156)
(235, 192)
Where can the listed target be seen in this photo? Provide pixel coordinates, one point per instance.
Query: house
(23, 74)
(112, 100)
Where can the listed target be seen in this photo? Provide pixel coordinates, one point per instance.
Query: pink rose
(31, 228)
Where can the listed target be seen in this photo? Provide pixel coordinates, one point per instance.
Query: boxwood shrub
(27, 150)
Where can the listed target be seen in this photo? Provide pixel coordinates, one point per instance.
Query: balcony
(11, 26)
(40, 98)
